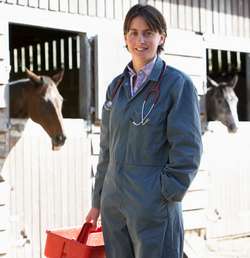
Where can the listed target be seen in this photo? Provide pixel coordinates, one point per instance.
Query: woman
(150, 147)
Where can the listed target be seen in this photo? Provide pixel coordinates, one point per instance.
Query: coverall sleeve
(103, 155)
(184, 137)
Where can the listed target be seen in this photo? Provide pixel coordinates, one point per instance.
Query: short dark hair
(154, 19)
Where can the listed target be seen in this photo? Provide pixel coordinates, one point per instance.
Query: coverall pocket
(163, 185)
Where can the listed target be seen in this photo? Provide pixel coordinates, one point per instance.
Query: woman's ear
(162, 40)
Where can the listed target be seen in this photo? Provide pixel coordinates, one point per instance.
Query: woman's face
(142, 42)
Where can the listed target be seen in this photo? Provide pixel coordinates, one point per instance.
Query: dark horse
(221, 103)
(37, 97)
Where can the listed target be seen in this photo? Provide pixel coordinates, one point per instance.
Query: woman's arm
(184, 137)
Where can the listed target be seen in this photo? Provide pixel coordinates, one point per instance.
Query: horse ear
(234, 81)
(37, 80)
(212, 82)
(57, 78)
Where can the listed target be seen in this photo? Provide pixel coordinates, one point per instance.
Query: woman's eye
(149, 33)
(132, 33)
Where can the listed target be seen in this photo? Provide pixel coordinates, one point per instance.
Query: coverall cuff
(96, 203)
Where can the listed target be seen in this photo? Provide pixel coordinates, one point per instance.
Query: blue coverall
(144, 171)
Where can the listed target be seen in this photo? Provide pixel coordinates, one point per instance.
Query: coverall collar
(154, 77)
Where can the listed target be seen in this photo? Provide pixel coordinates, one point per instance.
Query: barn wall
(49, 189)
(229, 194)
(227, 18)
(4, 186)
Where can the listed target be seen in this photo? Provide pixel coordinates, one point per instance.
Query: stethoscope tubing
(156, 91)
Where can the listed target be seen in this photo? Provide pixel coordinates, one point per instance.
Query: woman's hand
(93, 216)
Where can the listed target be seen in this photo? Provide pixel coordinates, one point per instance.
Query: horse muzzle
(58, 141)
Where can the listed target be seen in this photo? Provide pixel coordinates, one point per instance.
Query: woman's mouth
(140, 49)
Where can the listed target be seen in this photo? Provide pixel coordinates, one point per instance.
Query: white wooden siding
(227, 18)
(227, 157)
(49, 189)
(186, 51)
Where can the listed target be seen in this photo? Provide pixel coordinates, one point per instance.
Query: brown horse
(38, 98)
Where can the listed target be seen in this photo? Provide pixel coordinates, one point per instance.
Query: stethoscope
(154, 90)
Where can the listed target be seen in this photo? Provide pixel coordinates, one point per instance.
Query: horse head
(44, 105)
(221, 103)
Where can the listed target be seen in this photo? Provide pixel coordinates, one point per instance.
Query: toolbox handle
(86, 229)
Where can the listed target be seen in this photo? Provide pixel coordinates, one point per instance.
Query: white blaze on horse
(221, 103)
(38, 98)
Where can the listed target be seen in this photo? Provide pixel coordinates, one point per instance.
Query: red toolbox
(81, 242)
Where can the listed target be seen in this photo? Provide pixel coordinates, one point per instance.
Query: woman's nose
(141, 38)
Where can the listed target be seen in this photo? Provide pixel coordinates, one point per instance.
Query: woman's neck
(137, 66)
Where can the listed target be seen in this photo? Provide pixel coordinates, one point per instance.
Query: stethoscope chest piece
(108, 105)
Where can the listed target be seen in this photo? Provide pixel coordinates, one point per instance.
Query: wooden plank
(82, 5)
(200, 182)
(126, 7)
(183, 63)
(4, 242)
(159, 5)
(22, 2)
(229, 20)
(194, 44)
(73, 6)
(64, 5)
(182, 14)
(196, 247)
(246, 18)
(11, 1)
(5, 217)
(202, 16)
(29, 202)
(118, 9)
(194, 200)
(94, 162)
(101, 10)
(188, 15)
(215, 16)
(194, 219)
(166, 12)
(2, 54)
(44, 4)
(92, 8)
(133, 2)
(109, 6)
(241, 18)
(199, 84)
(233, 209)
(235, 18)
(174, 14)
(4, 193)
(3, 100)
(54, 5)
(33, 3)
(222, 18)
(209, 16)
(196, 15)
(95, 144)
